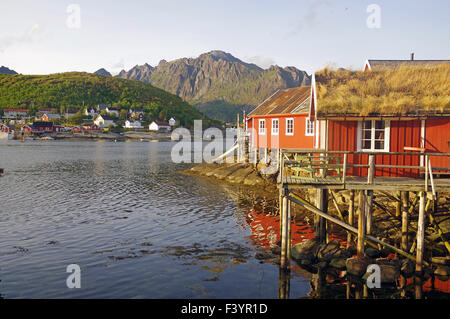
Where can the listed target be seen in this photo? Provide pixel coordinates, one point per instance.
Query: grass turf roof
(406, 90)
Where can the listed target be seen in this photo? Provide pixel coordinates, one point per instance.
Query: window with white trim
(373, 135)
(275, 126)
(262, 127)
(290, 126)
(309, 127)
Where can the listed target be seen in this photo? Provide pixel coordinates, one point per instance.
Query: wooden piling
(420, 234)
(361, 225)
(369, 210)
(288, 246)
(404, 196)
(351, 212)
(285, 244)
(283, 284)
(405, 202)
(398, 206)
(320, 222)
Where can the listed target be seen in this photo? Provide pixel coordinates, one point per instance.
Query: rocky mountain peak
(102, 72)
(5, 70)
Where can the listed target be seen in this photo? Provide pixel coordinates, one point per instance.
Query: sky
(49, 36)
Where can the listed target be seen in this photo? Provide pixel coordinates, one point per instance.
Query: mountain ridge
(5, 70)
(216, 79)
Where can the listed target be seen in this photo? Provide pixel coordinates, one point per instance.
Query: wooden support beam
(283, 284)
(398, 207)
(369, 211)
(420, 234)
(344, 168)
(285, 221)
(405, 221)
(289, 236)
(361, 225)
(371, 170)
(303, 203)
(351, 212)
(320, 222)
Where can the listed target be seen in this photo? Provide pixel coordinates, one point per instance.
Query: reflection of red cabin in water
(266, 229)
(265, 232)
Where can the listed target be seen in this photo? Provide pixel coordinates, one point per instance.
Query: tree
(163, 115)
(123, 115)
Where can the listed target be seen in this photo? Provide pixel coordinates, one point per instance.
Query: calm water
(136, 227)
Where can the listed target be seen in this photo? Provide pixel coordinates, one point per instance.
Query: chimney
(412, 56)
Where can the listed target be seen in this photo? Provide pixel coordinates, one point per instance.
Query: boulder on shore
(329, 251)
(356, 267)
(305, 250)
(389, 270)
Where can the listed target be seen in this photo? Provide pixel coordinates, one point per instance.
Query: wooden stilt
(361, 225)
(405, 201)
(369, 209)
(288, 219)
(285, 244)
(398, 207)
(418, 287)
(420, 234)
(351, 212)
(404, 245)
(320, 222)
(283, 284)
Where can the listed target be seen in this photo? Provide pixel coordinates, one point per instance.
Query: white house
(91, 111)
(50, 116)
(132, 124)
(104, 121)
(13, 113)
(172, 122)
(113, 110)
(159, 126)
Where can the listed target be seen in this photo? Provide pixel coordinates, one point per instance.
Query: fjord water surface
(136, 226)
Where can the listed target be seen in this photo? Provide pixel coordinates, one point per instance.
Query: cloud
(261, 61)
(9, 41)
(309, 18)
(119, 64)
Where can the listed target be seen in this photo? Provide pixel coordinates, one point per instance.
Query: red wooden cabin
(354, 115)
(282, 120)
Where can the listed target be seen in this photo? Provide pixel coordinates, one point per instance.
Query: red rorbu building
(400, 108)
(282, 120)
(392, 107)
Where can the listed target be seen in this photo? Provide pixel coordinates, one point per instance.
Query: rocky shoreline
(234, 173)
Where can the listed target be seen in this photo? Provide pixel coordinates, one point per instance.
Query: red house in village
(397, 107)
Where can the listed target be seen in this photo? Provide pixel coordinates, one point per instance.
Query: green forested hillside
(72, 90)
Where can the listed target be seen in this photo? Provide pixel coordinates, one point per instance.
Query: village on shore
(101, 122)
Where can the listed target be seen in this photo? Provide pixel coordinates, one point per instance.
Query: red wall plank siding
(343, 137)
(437, 137)
(404, 133)
(298, 140)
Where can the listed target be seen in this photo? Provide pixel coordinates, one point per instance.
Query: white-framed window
(289, 126)
(373, 135)
(262, 127)
(309, 127)
(275, 126)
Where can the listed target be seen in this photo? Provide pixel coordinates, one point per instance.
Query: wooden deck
(310, 169)
(360, 183)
